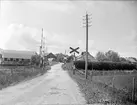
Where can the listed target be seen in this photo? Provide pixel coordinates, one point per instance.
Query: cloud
(83, 44)
(128, 45)
(65, 7)
(60, 39)
(134, 36)
(131, 39)
(22, 38)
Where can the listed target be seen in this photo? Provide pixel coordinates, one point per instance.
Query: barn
(14, 56)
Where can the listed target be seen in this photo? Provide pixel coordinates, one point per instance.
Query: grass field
(120, 82)
(14, 74)
(100, 86)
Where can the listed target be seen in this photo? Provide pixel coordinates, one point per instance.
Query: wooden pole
(86, 61)
(133, 91)
(73, 64)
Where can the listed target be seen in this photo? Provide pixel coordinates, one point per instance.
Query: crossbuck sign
(74, 50)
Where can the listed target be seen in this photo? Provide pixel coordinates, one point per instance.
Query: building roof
(17, 54)
(131, 59)
(51, 55)
(83, 57)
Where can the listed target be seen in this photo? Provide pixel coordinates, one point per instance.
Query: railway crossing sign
(74, 50)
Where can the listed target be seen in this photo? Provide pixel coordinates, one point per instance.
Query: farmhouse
(12, 56)
(82, 57)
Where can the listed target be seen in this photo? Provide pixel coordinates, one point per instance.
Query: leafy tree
(100, 56)
(60, 57)
(122, 59)
(112, 56)
(35, 59)
(70, 58)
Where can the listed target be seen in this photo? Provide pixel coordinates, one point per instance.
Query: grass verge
(19, 74)
(95, 92)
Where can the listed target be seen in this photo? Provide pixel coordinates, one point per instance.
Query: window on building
(5, 59)
(14, 59)
(17, 59)
(11, 59)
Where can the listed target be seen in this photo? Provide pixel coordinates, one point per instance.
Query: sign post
(75, 51)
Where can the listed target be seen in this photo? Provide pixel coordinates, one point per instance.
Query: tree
(70, 58)
(112, 56)
(122, 59)
(60, 57)
(35, 59)
(100, 56)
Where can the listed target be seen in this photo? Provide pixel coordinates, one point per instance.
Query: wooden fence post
(11, 71)
(133, 91)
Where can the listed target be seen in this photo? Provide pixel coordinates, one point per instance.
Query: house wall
(13, 60)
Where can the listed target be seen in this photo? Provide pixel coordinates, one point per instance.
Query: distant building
(51, 55)
(12, 56)
(82, 57)
(132, 60)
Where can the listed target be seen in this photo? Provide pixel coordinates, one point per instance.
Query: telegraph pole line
(86, 60)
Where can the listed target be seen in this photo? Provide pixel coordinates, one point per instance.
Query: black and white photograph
(68, 52)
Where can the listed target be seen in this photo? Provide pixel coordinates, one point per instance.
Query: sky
(114, 25)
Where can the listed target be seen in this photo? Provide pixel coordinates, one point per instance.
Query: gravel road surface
(54, 87)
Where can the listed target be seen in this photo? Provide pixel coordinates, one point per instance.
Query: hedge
(105, 65)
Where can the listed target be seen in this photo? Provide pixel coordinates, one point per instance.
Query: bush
(105, 65)
(35, 60)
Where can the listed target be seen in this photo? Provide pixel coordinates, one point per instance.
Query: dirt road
(55, 87)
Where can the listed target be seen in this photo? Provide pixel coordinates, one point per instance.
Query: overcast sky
(114, 25)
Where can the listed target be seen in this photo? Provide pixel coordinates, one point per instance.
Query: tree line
(111, 56)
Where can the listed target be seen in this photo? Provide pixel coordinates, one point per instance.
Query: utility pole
(65, 52)
(86, 60)
(42, 48)
(73, 64)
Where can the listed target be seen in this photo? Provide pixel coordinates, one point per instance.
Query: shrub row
(105, 65)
